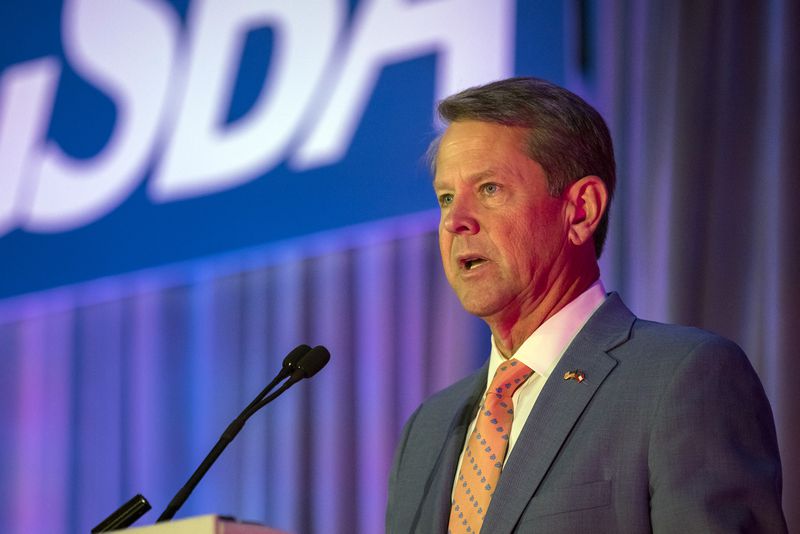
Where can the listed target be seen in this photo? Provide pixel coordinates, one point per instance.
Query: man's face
(502, 237)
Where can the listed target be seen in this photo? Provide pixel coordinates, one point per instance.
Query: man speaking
(584, 418)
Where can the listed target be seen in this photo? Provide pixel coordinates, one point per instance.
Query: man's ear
(587, 201)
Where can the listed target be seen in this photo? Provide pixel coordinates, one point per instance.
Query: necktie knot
(508, 377)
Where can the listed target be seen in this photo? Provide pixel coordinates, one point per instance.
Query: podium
(203, 524)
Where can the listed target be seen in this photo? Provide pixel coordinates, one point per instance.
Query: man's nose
(460, 218)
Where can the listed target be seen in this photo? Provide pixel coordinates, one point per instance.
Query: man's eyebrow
(478, 176)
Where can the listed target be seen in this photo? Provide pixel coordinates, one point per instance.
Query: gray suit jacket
(670, 432)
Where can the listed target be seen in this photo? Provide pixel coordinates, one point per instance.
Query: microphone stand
(302, 362)
(307, 365)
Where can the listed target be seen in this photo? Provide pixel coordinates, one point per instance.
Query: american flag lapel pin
(577, 374)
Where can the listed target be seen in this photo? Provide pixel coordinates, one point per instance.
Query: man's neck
(511, 331)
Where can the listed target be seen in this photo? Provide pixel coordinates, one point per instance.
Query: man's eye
(446, 199)
(490, 189)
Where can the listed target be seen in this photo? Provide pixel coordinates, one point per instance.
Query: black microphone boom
(301, 363)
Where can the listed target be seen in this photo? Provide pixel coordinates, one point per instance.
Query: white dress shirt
(541, 352)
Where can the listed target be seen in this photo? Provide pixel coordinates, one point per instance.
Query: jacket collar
(557, 410)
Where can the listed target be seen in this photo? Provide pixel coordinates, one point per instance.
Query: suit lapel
(556, 412)
(435, 505)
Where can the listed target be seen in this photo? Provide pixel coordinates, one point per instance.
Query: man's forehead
(465, 135)
(477, 148)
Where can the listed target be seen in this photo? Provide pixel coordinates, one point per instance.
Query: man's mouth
(471, 263)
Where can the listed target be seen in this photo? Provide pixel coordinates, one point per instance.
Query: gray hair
(567, 136)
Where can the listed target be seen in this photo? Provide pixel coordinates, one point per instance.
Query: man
(585, 418)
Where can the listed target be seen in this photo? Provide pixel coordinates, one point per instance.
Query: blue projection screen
(136, 133)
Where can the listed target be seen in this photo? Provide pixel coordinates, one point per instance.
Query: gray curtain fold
(703, 99)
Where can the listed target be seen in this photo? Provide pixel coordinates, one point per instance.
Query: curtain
(703, 99)
(123, 385)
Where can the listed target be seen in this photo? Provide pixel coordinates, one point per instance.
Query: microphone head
(313, 361)
(291, 359)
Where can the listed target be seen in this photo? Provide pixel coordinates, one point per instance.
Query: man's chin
(482, 306)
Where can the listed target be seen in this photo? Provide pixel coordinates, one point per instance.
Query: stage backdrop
(189, 189)
(135, 133)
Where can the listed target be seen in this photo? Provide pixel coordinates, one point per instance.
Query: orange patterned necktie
(486, 450)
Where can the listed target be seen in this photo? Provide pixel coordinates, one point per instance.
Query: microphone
(124, 516)
(307, 366)
(311, 363)
(300, 363)
(291, 360)
(288, 367)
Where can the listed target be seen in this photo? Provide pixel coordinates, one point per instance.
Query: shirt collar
(545, 346)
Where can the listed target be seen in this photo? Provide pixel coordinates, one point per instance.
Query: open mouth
(472, 263)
